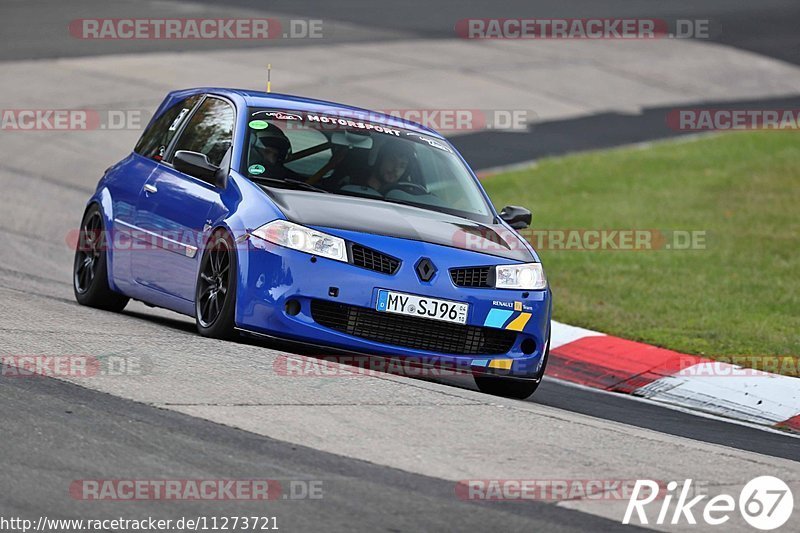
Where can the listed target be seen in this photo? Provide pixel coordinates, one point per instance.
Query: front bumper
(278, 287)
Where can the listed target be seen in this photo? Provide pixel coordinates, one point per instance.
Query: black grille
(471, 277)
(412, 332)
(372, 259)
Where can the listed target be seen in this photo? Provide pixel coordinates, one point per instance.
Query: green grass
(738, 296)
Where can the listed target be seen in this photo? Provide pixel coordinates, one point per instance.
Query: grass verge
(739, 295)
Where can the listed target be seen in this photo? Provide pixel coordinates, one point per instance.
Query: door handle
(152, 189)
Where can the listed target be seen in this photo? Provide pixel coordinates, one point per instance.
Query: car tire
(90, 266)
(215, 295)
(513, 387)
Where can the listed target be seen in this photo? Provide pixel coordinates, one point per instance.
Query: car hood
(395, 220)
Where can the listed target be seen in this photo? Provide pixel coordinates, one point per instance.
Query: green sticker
(259, 124)
(256, 169)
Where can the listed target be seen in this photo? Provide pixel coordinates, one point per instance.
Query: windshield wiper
(290, 181)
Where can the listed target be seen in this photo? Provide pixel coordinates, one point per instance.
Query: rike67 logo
(765, 502)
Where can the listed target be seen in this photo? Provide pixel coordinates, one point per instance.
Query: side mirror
(197, 165)
(516, 217)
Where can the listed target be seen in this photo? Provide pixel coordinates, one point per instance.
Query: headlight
(297, 237)
(528, 277)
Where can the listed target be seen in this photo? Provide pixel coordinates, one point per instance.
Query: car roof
(290, 102)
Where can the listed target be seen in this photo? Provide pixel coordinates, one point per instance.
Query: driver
(270, 149)
(393, 165)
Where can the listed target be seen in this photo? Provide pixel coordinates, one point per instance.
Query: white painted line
(762, 398)
(674, 407)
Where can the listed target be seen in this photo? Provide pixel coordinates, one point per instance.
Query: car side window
(209, 131)
(157, 136)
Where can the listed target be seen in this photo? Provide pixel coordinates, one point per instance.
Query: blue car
(318, 223)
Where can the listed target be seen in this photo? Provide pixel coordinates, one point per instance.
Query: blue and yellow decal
(499, 364)
(513, 319)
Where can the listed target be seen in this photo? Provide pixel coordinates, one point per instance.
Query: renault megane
(322, 224)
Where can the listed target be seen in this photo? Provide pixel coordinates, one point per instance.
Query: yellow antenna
(269, 73)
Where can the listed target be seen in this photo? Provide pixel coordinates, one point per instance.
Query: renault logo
(425, 269)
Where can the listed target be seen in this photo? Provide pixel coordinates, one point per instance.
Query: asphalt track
(36, 29)
(85, 432)
(387, 449)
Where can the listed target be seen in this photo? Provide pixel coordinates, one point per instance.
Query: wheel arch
(102, 199)
(239, 234)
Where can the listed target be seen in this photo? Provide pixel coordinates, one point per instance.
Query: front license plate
(422, 306)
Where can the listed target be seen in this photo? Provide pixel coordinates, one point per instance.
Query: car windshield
(326, 153)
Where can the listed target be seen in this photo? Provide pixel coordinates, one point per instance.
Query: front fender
(247, 209)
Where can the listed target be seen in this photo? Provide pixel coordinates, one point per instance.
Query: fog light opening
(292, 307)
(528, 346)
